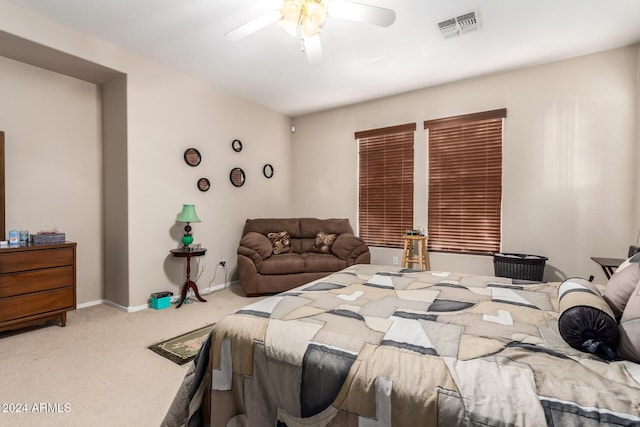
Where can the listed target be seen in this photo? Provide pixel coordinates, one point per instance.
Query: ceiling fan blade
(359, 12)
(254, 25)
(312, 48)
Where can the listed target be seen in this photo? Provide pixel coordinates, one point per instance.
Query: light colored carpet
(98, 371)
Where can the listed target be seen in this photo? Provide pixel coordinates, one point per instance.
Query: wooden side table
(608, 264)
(188, 284)
(407, 253)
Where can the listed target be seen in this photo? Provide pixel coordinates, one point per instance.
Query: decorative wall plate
(192, 157)
(237, 177)
(204, 184)
(236, 144)
(267, 170)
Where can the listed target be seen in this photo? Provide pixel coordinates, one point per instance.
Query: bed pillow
(324, 242)
(586, 321)
(629, 346)
(622, 283)
(281, 242)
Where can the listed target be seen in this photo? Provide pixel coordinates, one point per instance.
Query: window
(385, 184)
(465, 182)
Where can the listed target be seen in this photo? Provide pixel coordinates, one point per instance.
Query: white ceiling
(361, 61)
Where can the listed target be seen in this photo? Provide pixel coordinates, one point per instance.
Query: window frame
(463, 217)
(374, 225)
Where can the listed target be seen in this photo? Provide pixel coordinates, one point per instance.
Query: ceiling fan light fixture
(290, 27)
(308, 15)
(291, 13)
(313, 17)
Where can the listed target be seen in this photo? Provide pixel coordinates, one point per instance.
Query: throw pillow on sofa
(324, 242)
(281, 242)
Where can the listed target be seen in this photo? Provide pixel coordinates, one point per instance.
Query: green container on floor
(160, 300)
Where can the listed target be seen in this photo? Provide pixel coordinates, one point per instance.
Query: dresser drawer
(13, 284)
(36, 303)
(14, 261)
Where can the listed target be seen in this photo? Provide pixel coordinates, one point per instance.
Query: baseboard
(90, 303)
(126, 309)
(174, 299)
(214, 288)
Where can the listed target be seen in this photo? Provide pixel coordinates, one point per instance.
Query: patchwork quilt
(383, 346)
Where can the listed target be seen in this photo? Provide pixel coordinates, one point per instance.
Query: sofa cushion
(268, 225)
(282, 264)
(348, 246)
(314, 262)
(258, 243)
(310, 227)
(324, 242)
(281, 242)
(303, 245)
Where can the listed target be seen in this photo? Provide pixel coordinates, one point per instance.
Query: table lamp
(187, 215)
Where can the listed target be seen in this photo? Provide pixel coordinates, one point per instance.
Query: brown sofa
(263, 272)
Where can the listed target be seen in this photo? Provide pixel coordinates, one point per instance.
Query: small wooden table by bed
(608, 264)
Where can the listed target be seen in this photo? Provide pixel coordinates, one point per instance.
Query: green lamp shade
(188, 214)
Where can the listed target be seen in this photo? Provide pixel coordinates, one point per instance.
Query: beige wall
(53, 161)
(166, 112)
(115, 191)
(570, 170)
(570, 158)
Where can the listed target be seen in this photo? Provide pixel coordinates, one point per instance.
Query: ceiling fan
(307, 18)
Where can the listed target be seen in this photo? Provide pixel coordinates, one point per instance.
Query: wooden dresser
(37, 283)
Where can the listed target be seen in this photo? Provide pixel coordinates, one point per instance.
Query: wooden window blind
(465, 182)
(385, 184)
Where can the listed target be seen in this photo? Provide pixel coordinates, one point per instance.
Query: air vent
(460, 24)
(448, 28)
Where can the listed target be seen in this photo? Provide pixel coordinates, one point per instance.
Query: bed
(383, 346)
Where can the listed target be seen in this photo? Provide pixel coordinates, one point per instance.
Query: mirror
(204, 184)
(267, 170)
(236, 144)
(237, 177)
(192, 157)
(2, 235)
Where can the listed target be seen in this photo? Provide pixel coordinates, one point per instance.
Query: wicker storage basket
(47, 238)
(519, 266)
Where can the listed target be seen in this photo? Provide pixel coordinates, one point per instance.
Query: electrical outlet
(222, 262)
(395, 260)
